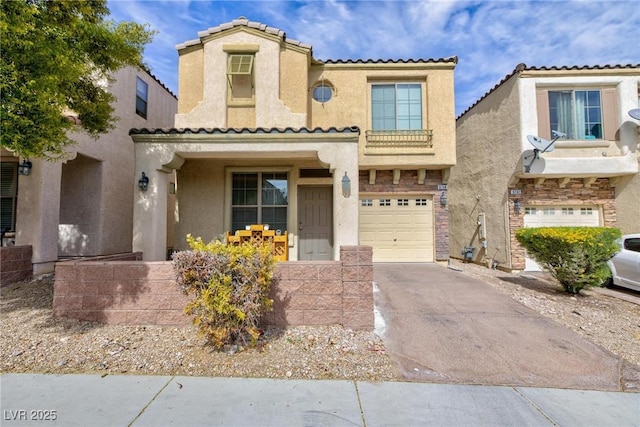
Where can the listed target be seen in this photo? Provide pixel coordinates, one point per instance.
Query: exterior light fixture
(143, 182)
(346, 185)
(517, 206)
(443, 199)
(25, 167)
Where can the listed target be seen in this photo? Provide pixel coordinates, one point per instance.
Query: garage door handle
(395, 240)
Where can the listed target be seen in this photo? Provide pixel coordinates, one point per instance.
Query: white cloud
(489, 37)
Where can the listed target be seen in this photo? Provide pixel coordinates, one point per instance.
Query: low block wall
(15, 264)
(145, 293)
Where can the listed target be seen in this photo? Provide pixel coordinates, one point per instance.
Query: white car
(625, 265)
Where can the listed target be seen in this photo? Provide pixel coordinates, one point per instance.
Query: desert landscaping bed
(31, 340)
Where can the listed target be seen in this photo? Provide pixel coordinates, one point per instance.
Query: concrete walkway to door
(442, 326)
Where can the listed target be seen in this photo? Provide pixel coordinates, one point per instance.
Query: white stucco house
(509, 175)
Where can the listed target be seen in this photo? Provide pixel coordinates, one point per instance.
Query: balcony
(399, 142)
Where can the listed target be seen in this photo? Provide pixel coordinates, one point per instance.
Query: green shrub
(230, 285)
(575, 256)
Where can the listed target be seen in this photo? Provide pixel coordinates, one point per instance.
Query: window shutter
(8, 179)
(542, 105)
(610, 114)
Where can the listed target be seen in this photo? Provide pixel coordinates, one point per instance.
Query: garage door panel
(559, 216)
(399, 230)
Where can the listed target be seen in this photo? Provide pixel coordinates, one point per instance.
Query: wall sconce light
(346, 186)
(25, 167)
(517, 206)
(443, 199)
(143, 182)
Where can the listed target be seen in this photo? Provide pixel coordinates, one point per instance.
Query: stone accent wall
(145, 293)
(15, 264)
(408, 185)
(550, 193)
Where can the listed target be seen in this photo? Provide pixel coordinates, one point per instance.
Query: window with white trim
(567, 211)
(421, 202)
(577, 113)
(385, 202)
(259, 198)
(366, 202)
(530, 211)
(396, 106)
(586, 211)
(548, 211)
(403, 202)
(142, 97)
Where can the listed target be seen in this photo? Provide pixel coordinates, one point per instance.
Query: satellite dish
(635, 113)
(541, 145)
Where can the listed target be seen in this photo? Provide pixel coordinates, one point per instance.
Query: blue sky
(489, 37)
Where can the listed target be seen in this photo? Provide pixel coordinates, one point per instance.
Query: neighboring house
(83, 206)
(335, 152)
(591, 178)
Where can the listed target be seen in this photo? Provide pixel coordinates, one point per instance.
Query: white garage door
(559, 216)
(398, 229)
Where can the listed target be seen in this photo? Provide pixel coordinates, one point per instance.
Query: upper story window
(142, 90)
(578, 113)
(240, 75)
(323, 92)
(396, 106)
(9, 195)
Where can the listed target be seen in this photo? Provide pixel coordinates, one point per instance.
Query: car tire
(608, 283)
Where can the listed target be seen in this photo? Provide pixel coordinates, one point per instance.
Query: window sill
(237, 103)
(582, 143)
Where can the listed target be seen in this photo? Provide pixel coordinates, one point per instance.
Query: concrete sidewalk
(127, 400)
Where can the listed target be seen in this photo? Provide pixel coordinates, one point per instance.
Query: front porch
(227, 179)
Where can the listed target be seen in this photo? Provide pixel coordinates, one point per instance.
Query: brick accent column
(15, 264)
(357, 282)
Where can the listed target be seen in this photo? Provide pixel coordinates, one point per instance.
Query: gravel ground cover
(31, 340)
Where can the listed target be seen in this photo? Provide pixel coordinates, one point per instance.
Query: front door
(315, 223)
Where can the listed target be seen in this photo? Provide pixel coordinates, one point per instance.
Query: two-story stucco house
(82, 206)
(334, 153)
(510, 176)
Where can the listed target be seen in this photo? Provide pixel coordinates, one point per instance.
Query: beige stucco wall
(351, 106)
(212, 110)
(83, 205)
(628, 204)
(489, 140)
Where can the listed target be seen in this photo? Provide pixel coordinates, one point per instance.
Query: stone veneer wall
(408, 185)
(15, 264)
(550, 193)
(145, 293)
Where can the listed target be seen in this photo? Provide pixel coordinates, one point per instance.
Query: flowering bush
(575, 256)
(230, 285)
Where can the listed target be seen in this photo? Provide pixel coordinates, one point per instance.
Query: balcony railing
(399, 138)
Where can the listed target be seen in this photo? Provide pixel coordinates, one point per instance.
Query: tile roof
(241, 22)
(244, 22)
(523, 67)
(453, 59)
(170, 131)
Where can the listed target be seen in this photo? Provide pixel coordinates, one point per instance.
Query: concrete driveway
(442, 326)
